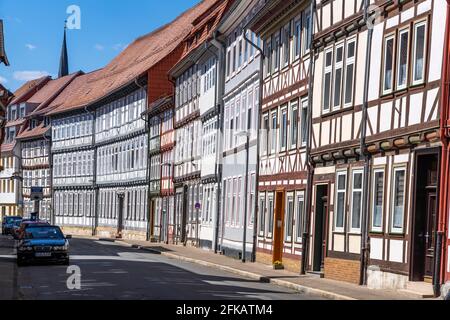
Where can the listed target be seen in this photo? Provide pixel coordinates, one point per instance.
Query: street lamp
(247, 145)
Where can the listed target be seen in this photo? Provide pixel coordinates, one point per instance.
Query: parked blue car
(8, 224)
(43, 243)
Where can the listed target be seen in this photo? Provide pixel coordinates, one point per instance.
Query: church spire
(64, 60)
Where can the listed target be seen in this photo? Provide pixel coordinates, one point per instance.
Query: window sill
(332, 113)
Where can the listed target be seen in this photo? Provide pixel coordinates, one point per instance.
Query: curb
(251, 275)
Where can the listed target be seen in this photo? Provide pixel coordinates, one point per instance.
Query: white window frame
(283, 138)
(354, 173)
(290, 197)
(338, 174)
(304, 123)
(294, 107)
(273, 136)
(270, 215)
(373, 228)
(336, 66)
(399, 43)
(327, 70)
(393, 183)
(349, 61)
(425, 47)
(298, 220)
(387, 38)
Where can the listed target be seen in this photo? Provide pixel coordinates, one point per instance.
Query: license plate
(43, 254)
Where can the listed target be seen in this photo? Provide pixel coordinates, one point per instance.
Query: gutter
(219, 93)
(310, 166)
(440, 275)
(365, 241)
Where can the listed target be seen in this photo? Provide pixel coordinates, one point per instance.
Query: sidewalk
(303, 283)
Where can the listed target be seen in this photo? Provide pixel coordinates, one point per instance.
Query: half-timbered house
(197, 124)
(241, 100)
(285, 29)
(35, 142)
(11, 202)
(404, 107)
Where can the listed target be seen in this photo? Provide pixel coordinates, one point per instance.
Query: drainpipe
(310, 165)
(258, 142)
(440, 259)
(220, 45)
(365, 241)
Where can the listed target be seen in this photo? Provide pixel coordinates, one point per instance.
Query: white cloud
(99, 47)
(29, 75)
(3, 80)
(30, 46)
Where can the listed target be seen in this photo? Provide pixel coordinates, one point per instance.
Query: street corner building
(21, 105)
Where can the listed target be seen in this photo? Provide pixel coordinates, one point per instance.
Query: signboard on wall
(37, 193)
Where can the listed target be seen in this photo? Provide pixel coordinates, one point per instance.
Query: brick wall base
(342, 270)
(289, 264)
(77, 231)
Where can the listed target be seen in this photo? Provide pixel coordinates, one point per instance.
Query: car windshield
(43, 233)
(12, 220)
(17, 223)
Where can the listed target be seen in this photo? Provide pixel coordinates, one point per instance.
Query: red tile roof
(39, 131)
(139, 57)
(205, 25)
(28, 89)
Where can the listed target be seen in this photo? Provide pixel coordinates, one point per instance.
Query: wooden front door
(428, 236)
(278, 227)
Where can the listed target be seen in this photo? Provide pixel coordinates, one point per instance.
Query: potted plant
(278, 265)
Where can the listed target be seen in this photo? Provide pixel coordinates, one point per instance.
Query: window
(286, 44)
(262, 215)
(388, 76)
(294, 125)
(307, 30)
(349, 72)
(398, 198)
(298, 37)
(304, 122)
(276, 52)
(419, 52)
(265, 135)
(402, 68)
(299, 217)
(273, 133)
(338, 74)
(328, 70)
(377, 201)
(341, 189)
(357, 185)
(270, 217)
(283, 133)
(289, 218)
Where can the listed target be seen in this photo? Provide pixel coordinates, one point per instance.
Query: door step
(421, 290)
(319, 274)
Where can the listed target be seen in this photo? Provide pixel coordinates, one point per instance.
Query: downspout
(440, 259)
(94, 174)
(365, 241)
(258, 142)
(219, 93)
(309, 164)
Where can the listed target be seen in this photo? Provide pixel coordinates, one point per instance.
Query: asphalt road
(114, 271)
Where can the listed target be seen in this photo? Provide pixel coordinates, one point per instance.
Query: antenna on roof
(64, 60)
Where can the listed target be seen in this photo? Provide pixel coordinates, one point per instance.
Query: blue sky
(34, 31)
